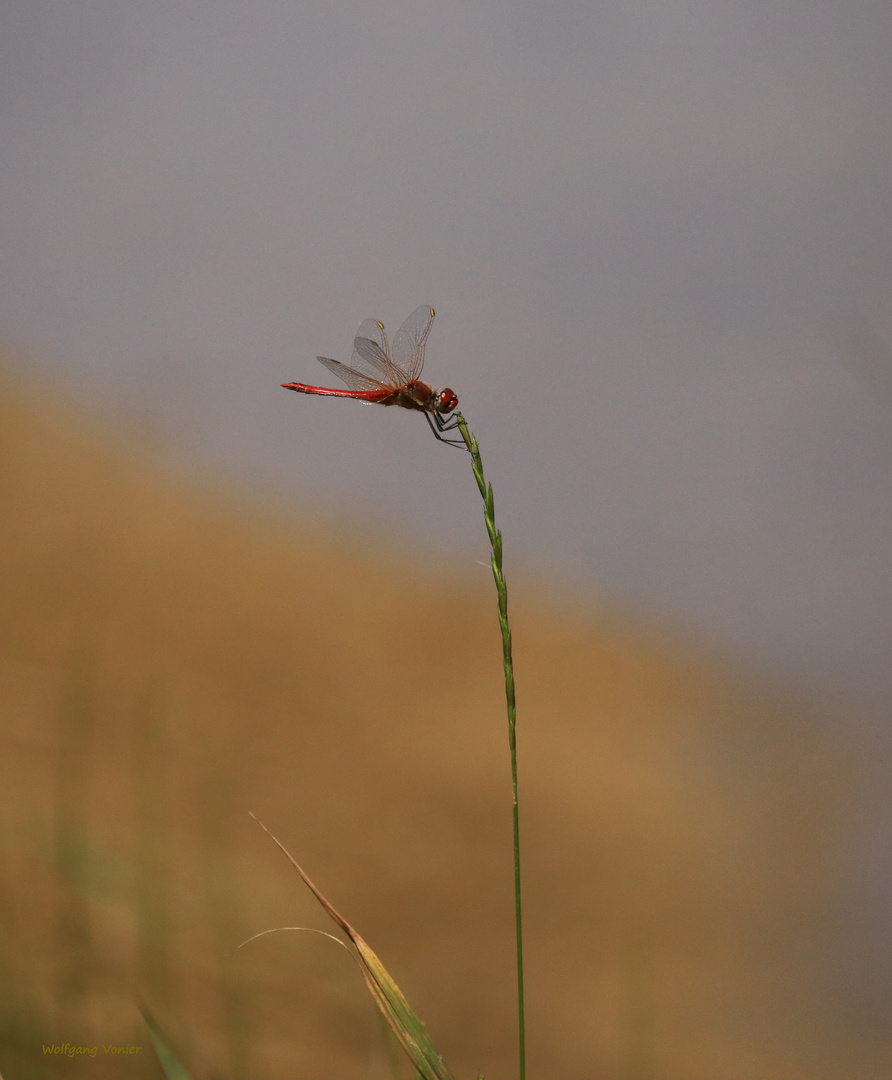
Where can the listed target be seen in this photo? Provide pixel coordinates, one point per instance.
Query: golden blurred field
(171, 658)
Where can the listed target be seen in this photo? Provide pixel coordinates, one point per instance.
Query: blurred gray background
(658, 237)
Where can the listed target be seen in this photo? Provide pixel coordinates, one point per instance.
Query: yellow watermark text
(75, 1050)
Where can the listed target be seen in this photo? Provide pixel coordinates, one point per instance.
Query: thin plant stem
(495, 539)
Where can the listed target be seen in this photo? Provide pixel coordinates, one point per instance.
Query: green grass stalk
(495, 539)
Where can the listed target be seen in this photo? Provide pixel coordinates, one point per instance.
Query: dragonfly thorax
(418, 395)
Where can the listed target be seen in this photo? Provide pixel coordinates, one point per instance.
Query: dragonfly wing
(356, 380)
(369, 356)
(373, 330)
(409, 342)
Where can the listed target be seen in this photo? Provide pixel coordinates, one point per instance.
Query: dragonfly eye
(446, 401)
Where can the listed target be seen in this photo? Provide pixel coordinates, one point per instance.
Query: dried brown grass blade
(404, 1022)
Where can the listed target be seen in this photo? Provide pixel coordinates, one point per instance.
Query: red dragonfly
(382, 377)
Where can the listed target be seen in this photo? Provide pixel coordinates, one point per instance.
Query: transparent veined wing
(371, 353)
(373, 330)
(409, 342)
(356, 380)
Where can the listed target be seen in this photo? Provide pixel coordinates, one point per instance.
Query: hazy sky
(658, 237)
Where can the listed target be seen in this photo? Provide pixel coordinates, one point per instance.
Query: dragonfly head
(446, 401)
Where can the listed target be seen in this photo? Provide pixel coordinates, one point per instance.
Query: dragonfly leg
(439, 427)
